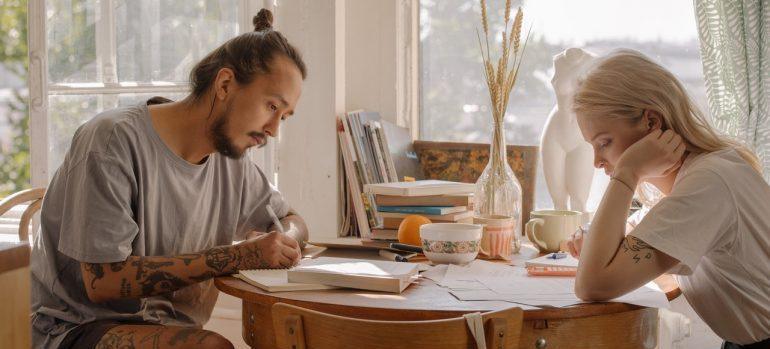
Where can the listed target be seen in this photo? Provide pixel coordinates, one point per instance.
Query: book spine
(354, 183)
(387, 200)
(414, 209)
(388, 155)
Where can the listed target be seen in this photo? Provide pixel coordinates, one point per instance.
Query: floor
(226, 320)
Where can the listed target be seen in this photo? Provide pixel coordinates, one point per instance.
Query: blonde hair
(625, 83)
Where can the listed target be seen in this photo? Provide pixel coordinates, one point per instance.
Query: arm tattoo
(117, 339)
(188, 258)
(96, 270)
(153, 337)
(251, 258)
(117, 266)
(640, 249)
(158, 282)
(142, 264)
(219, 258)
(125, 288)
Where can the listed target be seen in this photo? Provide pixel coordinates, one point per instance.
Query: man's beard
(224, 144)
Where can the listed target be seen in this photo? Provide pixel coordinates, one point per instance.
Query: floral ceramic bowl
(455, 243)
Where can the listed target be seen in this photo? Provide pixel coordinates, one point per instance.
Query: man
(143, 211)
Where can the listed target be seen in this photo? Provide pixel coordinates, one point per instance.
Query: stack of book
(439, 201)
(328, 272)
(372, 150)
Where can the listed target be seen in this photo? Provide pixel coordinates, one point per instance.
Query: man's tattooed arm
(139, 277)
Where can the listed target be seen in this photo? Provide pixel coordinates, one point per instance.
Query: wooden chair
(464, 162)
(300, 328)
(35, 197)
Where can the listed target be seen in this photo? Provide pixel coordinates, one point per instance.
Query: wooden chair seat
(35, 198)
(300, 328)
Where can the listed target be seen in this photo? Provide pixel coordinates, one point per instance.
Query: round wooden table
(592, 325)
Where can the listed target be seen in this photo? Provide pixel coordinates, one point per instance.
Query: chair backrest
(35, 198)
(300, 328)
(464, 162)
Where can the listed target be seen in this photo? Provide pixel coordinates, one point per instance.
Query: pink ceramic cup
(497, 236)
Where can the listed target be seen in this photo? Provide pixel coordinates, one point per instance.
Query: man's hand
(271, 250)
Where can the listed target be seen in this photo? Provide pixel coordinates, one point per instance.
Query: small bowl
(453, 243)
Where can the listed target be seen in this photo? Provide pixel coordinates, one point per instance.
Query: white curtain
(734, 42)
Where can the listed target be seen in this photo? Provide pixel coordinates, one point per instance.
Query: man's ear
(223, 83)
(652, 120)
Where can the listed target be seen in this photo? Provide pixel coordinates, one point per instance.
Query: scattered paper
(487, 281)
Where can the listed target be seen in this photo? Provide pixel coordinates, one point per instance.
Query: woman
(709, 221)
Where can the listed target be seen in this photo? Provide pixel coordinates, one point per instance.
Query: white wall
(350, 48)
(371, 56)
(307, 156)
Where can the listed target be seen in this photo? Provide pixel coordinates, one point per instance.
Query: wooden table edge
(249, 293)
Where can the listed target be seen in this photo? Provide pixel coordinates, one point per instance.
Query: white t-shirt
(716, 222)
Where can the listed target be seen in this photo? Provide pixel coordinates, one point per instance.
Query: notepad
(374, 275)
(544, 266)
(276, 280)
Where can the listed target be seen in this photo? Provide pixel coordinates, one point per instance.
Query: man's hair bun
(263, 20)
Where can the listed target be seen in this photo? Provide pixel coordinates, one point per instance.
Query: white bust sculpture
(567, 158)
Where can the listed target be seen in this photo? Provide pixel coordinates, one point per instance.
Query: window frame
(40, 88)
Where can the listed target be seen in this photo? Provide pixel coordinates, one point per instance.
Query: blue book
(427, 210)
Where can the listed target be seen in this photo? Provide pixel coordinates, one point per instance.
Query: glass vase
(498, 191)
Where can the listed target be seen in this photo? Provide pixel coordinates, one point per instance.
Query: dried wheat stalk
(501, 74)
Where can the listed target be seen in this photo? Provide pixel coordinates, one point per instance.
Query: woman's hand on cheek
(656, 155)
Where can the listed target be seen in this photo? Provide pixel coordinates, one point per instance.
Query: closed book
(393, 223)
(420, 188)
(424, 210)
(276, 280)
(385, 234)
(373, 275)
(451, 217)
(430, 200)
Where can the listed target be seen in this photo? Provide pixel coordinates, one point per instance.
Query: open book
(374, 275)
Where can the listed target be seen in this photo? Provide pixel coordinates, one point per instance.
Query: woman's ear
(652, 121)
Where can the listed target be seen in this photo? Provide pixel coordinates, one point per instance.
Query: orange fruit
(409, 229)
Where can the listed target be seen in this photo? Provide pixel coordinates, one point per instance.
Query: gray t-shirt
(121, 191)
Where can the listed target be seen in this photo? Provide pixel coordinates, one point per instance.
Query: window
(102, 54)
(454, 99)
(14, 144)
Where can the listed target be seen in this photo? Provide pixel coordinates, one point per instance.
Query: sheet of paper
(435, 273)
(517, 281)
(487, 281)
(647, 296)
(487, 295)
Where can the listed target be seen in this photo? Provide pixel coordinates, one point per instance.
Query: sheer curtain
(734, 41)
